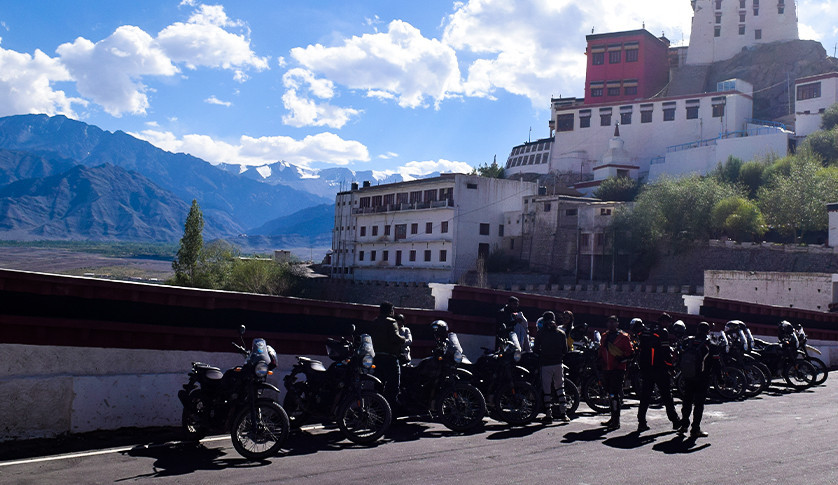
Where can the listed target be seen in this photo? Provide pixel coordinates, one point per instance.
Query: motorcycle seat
(208, 371)
(312, 364)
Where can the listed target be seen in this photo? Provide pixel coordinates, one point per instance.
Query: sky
(382, 85)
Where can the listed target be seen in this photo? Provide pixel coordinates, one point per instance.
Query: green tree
(829, 120)
(751, 176)
(492, 171)
(824, 144)
(262, 276)
(728, 172)
(796, 203)
(739, 218)
(620, 189)
(188, 255)
(216, 264)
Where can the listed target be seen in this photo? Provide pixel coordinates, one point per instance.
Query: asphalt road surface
(779, 437)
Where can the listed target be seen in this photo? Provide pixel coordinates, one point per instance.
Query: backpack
(691, 360)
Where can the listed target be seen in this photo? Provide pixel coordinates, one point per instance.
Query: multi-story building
(624, 66)
(429, 230)
(814, 94)
(722, 28)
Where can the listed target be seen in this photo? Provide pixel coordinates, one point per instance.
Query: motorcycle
(231, 401)
(439, 386)
(510, 396)
(805, 348)
(347, 392)
(784, 360)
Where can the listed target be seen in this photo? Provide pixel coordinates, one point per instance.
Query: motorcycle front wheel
(823, 370)
(571, 394)
(730, 383)
(800, 374)
(517, 403)
(260, 438)
(595, 396)
(461, 407)
(363, 419)
(755, 381)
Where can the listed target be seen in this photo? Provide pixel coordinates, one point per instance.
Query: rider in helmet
(677, 332)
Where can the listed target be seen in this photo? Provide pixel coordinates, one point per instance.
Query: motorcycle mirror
(242, 329)
(597, 336)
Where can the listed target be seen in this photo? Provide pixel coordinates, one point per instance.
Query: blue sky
(408, 87)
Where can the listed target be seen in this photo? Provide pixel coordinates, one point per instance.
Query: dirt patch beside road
(63, 261)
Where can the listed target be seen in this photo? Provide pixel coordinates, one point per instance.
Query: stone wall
(404, 295)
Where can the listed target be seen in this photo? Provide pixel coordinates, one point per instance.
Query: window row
(418, 196)
(528, 160)
(566, 122)
(614, 53)
(614, 88)
(401, 229)
(411, 256)
(717, 32)
(536, 147)
(809, 91)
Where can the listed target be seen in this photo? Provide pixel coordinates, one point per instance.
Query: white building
(807, 291)
(813, 95)
(675, 135)
(722, 28)
(430, 230)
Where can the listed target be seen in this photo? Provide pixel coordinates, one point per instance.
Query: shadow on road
(174, 459)
(633, 440)
(594, 434)
(679, 445)
(507, 431)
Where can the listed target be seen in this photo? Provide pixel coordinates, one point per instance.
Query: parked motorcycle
(347, 392)
(805, 349)
(231, 401)
(439, 386)
(510, 396)
(784, 360)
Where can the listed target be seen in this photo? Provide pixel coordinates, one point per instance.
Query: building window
(443, 255)
(625, 118)
(500, 230)
(605, 212)
(571, 212)
(669, 113)
(387, 230)
(363, 231)
(547, 207)
(630, 91)
(412, 256)
(599, 239)
(717, 31)
(372, 255)
(692, 112)
(375, 231)
(781, 9)
(741, 30)
(718, 18)
(585, 240)
(414, 228)
(614, 91)
(398, 258)
(614, 57)
(741, 17)
(360, 256)
(564, 122)
(430, 195)
(364, 202)
(598, 58)
(443, 227)
(585, 121)
(429, 227)
(427, 255)
(416, 197)
(741, 3)
(385, 256)
(389, 199)
(809, 91)
(646, 116)
(718, 4)
(756, 12)
(402, 198)
(632, 55)
(596, 92)
(484, 229)
(605, 119)
(401, 231)
(758, 34)
(471, 186)
(718, 110)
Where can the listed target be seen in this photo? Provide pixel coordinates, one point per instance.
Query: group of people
(649, 344)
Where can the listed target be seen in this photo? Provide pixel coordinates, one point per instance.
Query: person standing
(655, 359)
(551, 346)
(508, 319)
(404, 356)
(616, 349)
(695, 370)
(388, 344)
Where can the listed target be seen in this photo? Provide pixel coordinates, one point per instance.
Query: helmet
(679, 329)
(785, 328)
(440, 329)
(579, 331)
(636, 325)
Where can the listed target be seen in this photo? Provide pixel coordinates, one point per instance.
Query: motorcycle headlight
(517, 356)
(261, 369)
(458, 357)
(366, 361)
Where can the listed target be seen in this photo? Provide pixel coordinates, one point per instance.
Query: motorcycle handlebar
(239, 348)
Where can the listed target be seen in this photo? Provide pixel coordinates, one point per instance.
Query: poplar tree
(191, 245)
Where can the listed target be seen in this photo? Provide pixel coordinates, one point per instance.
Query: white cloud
(26, 85)
(400, 63)
(111, 71)
(412, 170)
(305, 111)
(324, 147)
(817, 21)
(388, 155)
(216, 101)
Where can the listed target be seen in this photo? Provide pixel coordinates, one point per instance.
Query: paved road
(786, 438)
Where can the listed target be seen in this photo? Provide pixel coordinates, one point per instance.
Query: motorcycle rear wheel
(730, 384)
(461, 407)
(364, 419)
(264, 439)
(800, 374)
(193, 429)
(517, 403)
(823, 370)
(571, 394)
(755, 381)
(595, 396)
